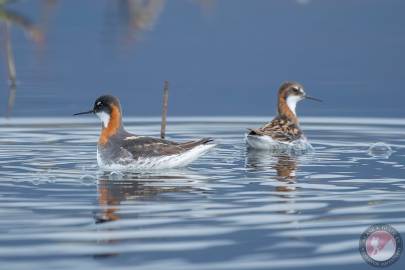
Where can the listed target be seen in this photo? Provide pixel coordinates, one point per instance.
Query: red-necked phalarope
(284, 130)
(121, 150)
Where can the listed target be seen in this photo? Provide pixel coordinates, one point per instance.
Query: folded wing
(152, 147)
(279, 129)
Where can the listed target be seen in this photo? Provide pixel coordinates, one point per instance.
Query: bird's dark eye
(99, 105)
(295, 90)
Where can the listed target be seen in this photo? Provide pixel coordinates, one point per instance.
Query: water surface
(231, 209)
(221, 57)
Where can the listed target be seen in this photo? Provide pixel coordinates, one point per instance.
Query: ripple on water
(233, 209)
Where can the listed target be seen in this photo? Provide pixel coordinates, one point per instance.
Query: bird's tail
(205, 140)
(255, 132)
(192, 144)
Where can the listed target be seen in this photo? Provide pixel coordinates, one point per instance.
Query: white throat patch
(292, 102)
(104, 117)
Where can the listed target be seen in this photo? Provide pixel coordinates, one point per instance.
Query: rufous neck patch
(284, 110)
(113, 125)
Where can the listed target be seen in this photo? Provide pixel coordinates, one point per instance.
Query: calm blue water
(231, 209)
(223, 57)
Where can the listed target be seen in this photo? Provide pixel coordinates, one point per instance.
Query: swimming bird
(284, 130)
(121, 150)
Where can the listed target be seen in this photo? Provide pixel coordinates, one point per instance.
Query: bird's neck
(286, 109)
(111, 125)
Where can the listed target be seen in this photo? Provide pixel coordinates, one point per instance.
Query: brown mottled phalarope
(284, 129)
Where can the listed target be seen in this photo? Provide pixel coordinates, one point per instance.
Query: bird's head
(106, 108)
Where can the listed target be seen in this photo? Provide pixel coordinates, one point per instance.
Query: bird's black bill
(312, 98)
(80, 113)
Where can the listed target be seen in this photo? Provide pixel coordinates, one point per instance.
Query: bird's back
(280, 129)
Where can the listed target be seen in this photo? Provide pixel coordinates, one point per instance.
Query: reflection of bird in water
(134, 187)
(284, 165)
(285, 168)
